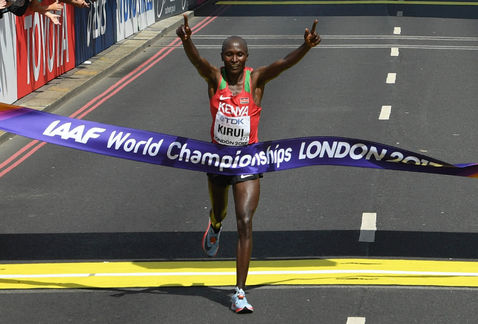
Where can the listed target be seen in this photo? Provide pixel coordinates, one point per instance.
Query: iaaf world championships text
(271, 155)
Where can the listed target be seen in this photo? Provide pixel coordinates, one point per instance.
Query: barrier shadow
(268, 245)
(430, 9)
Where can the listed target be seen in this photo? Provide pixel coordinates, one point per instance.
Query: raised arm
(205, 69)
(266, 73)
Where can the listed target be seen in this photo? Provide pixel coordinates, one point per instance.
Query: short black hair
(234, 39)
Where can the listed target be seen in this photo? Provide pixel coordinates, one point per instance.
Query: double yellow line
(222, 273)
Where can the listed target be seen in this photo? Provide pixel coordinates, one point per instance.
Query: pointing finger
(186, 21)
(313, 26)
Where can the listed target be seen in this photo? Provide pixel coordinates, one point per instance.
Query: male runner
(235, 94)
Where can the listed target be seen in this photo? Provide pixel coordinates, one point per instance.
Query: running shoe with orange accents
(210, 240)
(239, 302)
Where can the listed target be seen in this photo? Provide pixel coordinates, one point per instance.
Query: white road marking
(355, 320)
(345, 37)
(394, 51)
(391, 78)
(351, 46)
(385, 113)
(232, 273)
(397, 30)
(368, 228)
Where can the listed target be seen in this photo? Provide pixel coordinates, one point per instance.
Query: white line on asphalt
(394, 51)
(353, 46)
(397, 30)
(368, 228)
(350, 37)
(232, 273)
(355, 320)
(385, 113)
(391, 78)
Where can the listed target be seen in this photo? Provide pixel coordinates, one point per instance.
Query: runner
(235, 94)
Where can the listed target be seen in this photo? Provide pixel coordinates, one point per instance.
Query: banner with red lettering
(44, 50)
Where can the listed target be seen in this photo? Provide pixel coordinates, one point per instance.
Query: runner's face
(234, 56)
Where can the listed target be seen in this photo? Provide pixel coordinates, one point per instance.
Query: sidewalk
(70, 83)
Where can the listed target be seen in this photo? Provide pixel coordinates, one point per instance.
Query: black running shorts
(226, 180)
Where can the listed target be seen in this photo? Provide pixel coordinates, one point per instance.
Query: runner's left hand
(311, 37)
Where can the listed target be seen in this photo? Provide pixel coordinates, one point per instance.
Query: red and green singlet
(235, 119)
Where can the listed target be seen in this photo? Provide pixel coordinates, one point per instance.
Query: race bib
(232, 131)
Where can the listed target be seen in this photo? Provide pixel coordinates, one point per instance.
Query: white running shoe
(239, 302)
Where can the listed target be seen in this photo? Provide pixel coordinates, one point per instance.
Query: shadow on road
(267, 245)
(217, 295)
(220, 296)
(446, 9)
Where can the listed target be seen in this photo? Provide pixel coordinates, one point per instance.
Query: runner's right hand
(183, 31)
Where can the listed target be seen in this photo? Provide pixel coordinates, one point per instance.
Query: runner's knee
(244, 223)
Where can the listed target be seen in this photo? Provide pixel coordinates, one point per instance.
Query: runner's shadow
(220, 296)
(217, 295)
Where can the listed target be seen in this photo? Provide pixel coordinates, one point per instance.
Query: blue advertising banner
(133, 16)
(168, 8)
(95, 29)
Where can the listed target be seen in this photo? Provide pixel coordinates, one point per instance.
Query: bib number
(232, 131)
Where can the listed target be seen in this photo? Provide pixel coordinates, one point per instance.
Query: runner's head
(234, 53)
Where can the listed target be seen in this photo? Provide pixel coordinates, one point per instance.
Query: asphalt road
(62, 204)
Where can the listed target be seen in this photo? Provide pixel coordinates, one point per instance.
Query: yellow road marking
(222, 273)
(320, 2)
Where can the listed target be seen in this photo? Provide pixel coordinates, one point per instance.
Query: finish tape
(190, 154)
